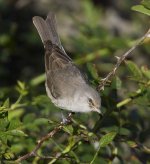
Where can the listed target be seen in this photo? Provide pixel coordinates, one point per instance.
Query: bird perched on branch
(65, 85)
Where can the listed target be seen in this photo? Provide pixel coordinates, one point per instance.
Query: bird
(66, 86)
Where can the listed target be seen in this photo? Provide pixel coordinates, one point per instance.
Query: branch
(46, 137)
(103, 82)
(120, 60)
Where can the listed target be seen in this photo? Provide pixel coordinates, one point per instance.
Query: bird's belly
(68, 103)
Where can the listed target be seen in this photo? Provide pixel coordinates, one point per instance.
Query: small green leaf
(3, 138)
(5, 39)
(93, 71)
(133, 68)
(4, 124)
(14, 124)
(109, 129)
(141, 9)
(124, 102)
(17, 113)
(17, 105)
(16, 132)
(6, 103)
(116, 83)
(21, 88)
(9, 155)
(145, 71)
(37, 80)
(21, 85)
(106, 139)
(68, 129)
(41, 121)
(124, 131)
(28, 118)
(5, 106)
(146, 4)
(132, 144)
(70, 145)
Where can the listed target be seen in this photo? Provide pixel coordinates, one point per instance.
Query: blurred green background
(92, 32)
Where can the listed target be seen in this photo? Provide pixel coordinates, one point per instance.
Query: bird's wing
(65, 82)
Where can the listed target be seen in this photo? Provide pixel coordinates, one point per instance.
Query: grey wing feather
(65, 81)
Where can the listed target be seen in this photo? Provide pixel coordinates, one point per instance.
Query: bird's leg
(63, 118)
(66, 120)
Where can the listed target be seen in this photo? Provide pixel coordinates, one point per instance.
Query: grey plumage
(64, 81)
(58, 65)
(51, 22)
(47, 29)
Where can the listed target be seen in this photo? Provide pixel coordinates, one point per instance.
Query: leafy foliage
(143, 8)
(10, 128)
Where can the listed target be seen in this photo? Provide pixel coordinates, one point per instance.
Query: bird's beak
(97, 110)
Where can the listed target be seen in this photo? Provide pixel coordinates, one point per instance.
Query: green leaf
(37, 80)
(93, 71)
(5, 106)
(17, 113)
(120, 130)
(116, 83)
(9, 155)
(145, 71)
(21, 85)
(132, 144)
(41, 121)
(3, 138)
(16, 132)
(133, 68)
(28, 118)
(6, 103)
(17, 105)
(146, 4)
(106, 139)
(124, 131)
(4, 39)
(41, 100)
(14, 124)
(68, 129)
(109, 129)
(124, 102)
(21, 88)
(141, 9)
(4, 124)
(70, 145)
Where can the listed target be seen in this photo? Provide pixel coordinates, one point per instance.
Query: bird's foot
(66, 120)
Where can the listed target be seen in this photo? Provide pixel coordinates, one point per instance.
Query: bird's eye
(91, 103)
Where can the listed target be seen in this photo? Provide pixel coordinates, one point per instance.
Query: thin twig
(50, 157)
(112, 73)
(120, 60)
(43, 139)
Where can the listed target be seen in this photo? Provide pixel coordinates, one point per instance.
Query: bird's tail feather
(51, 23)
(47, 29)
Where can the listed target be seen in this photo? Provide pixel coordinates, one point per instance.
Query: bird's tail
(47, 29)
